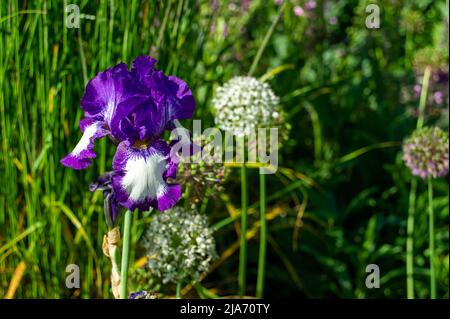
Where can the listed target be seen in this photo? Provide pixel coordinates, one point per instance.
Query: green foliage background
(342, 188)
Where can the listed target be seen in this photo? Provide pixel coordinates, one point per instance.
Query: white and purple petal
(81, 155)
(140, 177)
(111, 95)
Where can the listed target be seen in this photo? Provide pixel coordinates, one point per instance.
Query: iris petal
(182, 104)
(145, 123)
(141, 174)
(169, 99)
(81, 155)
(104, 92)
(110, 96)
(172, 96)
(142, 66)
(112, 93)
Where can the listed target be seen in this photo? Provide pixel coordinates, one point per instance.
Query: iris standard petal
(111, 95)
(142, 66)
(81, 155)
(140, 177)
(171, 95)
(182, 105)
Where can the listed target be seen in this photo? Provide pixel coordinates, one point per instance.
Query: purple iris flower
(134, 108)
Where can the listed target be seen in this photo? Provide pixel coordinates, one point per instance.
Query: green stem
(412, 195)
(262, 236)
(410, 240)
(187, 194)
(423, 96)
(205, 200)
(125, 254)
(266, 39)
(243, 239)
(178, 292)
(431, 234)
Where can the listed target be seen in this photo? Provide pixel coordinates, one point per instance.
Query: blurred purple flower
(442, 77)
(298, 11)
(278, 2)
(215, 5)
(417, 90)
(310, 5)
(245, 4)
(333, 20)
(213, 28)
(438, 97)
(225, 30)
(425, 153)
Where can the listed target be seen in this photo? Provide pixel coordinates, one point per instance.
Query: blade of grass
(266, 39)
(15, 280)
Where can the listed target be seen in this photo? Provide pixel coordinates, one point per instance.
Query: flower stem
(412, 195)
(423, 96)
(125, 254)
(262, 236)
(178, 292)
(243, 239)
(410, 240)
(431, 234)
(186, 197)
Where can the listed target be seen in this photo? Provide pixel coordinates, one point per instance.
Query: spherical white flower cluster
(244, 104)
(179, 244)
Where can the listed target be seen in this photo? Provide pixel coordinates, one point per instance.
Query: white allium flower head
(180, 245)
(244, 104)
